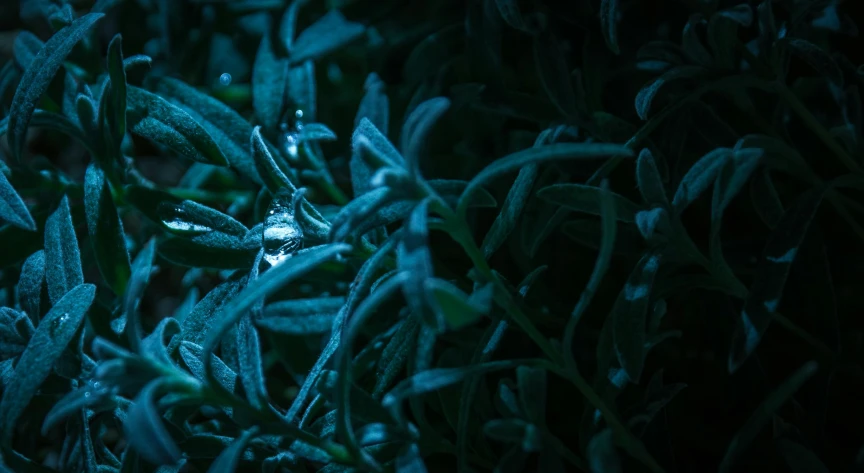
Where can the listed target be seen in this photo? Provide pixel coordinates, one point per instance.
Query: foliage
(448, 235)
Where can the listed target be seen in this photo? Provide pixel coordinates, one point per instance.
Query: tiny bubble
(225, 79)
(87, 394)
(298, 114)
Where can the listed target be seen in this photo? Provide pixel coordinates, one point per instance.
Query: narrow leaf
(13, 210)
(329, 33)
(559, 151)
(770, 277)
(38, 76)
(62, 256)
(54, 333)
(587, 199)
(764, 414)
(630, 314)
(146, 433)
(106, 230)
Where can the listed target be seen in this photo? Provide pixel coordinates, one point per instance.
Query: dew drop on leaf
(298, 114)
(58, 323)
(282, 235)
(177, 219)
(225, 79)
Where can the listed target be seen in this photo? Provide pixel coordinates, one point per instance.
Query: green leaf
(692, 43)
(815, 57)
(229, 130)
(302, 325)
(265, 165)
(437, 378)
(54, 333)
(764, 413)
(221, 252)
(30, 285)
(191, 355)
(229, 459)
(141, 270)
(375, 105)
(602, 456)
(62, 257)
(329, 33)
(368, 142)
(645, 97)
(249, 362)
(13, 210)
(156, 119)
(115, 115)
(416, 130)
(415, 259)
(609, 12)
(648, 180)
(699, 177)
(452, 305)
(395, 355)
(630, 316)
(512, 208)
(723, 33)
(38, 76)
(271, 281)
(106, 230)
(269, 80)
(769, 280)
(558, 151)
(532, 393)
(587, 199)
(145, 431)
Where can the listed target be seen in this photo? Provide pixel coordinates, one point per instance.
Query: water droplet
(282, 235)
(87, 394)
(298, 114)
(290, 144)
(225, 79)
(58, 323)
(96, 385)
(178, 219)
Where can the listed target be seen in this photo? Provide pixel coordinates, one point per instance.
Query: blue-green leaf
(532, 393)
(139, 277)
(559, 151)
(452, 305)
(62, 257)
(39, 74)
(416, 130)
(769, 280)
(115, 115)
(375, 105)
(649, 181)
(269, 80)
(228, 460)
(630, 316)
(699, 177)
(512, 208)
(13, 210)
(645, 97)
(229, 130)
(587, 199)
(54, 333)
(106, 230)
(329, 33)
(144, 429)
(609, 12)
(415, 259)
(30, 285)
(156, 119)
(816, 58)
(764, 413)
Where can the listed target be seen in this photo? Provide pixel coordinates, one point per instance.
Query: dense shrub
(438, 235)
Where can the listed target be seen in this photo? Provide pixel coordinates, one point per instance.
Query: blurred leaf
(145, 430)
(329, 33)
(764, 413)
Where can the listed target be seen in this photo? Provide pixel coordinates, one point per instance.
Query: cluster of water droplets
(283, 235)
(291, 134)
